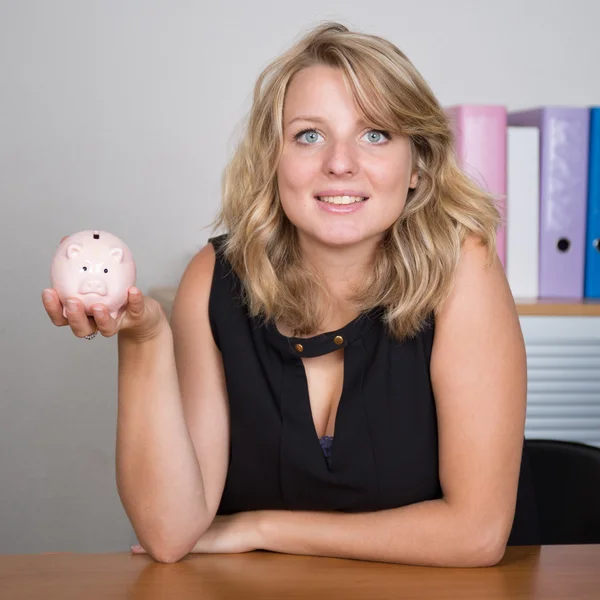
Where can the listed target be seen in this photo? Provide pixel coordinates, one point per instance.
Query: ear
(73, 251)
(117, 254)
(414, 178)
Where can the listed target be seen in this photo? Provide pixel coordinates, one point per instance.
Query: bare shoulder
(198, 272)
(477, 285)
(195, 349)
(479, 318)
(193, 292)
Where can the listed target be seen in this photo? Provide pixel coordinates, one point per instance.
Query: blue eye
(311, 136)
(377, 137)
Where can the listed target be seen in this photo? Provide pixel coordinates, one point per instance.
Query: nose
(341, 159)
(93, 286)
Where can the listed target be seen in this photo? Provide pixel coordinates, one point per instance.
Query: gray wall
(119, 115)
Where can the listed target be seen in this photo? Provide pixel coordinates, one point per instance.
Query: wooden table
(557, 572)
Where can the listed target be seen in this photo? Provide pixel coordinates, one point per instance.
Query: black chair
(566, 481)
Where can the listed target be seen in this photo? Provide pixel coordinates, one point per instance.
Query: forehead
(319, 89)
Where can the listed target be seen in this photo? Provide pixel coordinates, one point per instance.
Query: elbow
(170, 547)
(167, 550)
(487, 547)
(167, 555)
(484, 536)
(489, 553)
(485, 531)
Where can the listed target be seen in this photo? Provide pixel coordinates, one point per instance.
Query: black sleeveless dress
(384, 452)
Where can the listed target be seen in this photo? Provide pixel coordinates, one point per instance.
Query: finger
(133, 309)
(64, 237)
(80, 323)
(105, 324)
(54, 307)
(135, 302)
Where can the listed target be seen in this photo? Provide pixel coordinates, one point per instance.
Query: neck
(343, 267)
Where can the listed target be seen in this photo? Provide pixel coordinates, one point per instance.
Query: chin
(342, 239)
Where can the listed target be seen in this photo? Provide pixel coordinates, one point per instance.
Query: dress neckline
(323, 343)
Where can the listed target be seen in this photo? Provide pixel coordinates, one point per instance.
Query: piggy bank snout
(93, 286)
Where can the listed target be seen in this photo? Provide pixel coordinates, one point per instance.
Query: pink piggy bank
(96, 267)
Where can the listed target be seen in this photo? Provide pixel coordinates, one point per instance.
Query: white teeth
(341, 199)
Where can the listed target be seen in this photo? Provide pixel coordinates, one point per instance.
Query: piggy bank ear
(117, 254)
(73, 250)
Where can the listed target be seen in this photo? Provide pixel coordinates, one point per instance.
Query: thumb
(136, 302)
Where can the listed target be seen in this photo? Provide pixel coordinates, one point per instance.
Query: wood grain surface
(552, 572)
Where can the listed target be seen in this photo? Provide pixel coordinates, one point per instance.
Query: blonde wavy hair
(415, 263)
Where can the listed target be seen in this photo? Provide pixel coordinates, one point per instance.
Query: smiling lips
(341, 197)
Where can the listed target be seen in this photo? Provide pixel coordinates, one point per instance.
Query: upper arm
(201, 375)
(479, 379)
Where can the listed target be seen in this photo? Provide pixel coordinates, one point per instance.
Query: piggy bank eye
(106, 270)
(84, 268)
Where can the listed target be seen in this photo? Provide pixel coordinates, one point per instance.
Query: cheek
(389, 180)
(390, 176)
(295, 179)
(296, 174)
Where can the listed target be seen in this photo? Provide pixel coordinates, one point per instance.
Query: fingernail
(71, 305)
(47, 295)
(136, 548)
(97, 311)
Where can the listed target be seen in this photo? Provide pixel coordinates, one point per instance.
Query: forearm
(158, 476)
(428, 533)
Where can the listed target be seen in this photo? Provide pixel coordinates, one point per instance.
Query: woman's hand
(227, 534)
(140, 319)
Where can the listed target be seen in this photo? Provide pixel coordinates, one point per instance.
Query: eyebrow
(302, 118)
(315, 120)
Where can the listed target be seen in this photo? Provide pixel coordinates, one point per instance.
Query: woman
(344, 372)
